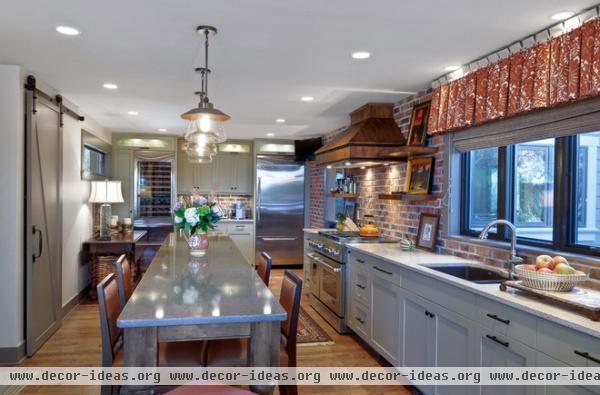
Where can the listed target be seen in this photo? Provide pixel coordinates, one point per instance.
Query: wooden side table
(118, 245)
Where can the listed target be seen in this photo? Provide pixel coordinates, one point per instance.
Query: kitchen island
(218, 296)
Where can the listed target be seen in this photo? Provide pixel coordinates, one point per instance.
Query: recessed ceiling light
(451, 68)
(386, 164)
(68, 30)
(329, 166)
(363, 167)
(561, 16)
(133, 113)
(270, 134)
(110, 85)
(162, 130)
(307, 98)
(280, 120)
(361, 55)
(348, 163)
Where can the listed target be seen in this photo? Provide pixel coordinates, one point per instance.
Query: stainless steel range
(327, 258)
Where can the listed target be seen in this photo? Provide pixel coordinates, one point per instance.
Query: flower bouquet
(195, 216)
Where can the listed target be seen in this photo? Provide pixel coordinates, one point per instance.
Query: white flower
(217, 210)
(178, 220)
(191, 216)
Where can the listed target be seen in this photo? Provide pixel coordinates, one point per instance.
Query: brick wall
(400, 219)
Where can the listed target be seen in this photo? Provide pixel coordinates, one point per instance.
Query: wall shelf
(343, 195)
(409, 197)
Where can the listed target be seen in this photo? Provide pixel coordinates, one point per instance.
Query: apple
(556, 260)
(543, 261)
(529, 267)
(544, 270)
(563, 268)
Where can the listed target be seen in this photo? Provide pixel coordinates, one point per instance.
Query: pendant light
(205, 130)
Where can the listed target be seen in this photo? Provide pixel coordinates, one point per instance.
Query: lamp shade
(106, 192)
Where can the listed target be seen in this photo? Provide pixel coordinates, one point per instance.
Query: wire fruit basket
(549, 281)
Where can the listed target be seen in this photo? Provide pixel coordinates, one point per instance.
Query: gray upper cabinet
(228, 173)
(203, 176)
(185, 171)
(233, 173)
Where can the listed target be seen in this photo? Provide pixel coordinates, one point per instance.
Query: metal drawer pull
(382, 271)
(279, 238)
(586, 355)
(360, 260)
(359, 320)
(494, 338)
(495, 317)
(360, 286)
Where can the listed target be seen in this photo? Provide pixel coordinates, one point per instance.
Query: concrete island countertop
(416, 259)
(179, 289)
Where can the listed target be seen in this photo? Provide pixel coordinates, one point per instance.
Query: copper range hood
(373, 138)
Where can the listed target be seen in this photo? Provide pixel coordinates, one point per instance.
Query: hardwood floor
(77, 343)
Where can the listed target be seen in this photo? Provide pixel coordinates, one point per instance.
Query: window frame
(565, 223)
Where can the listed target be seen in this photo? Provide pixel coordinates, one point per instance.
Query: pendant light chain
(206, 71)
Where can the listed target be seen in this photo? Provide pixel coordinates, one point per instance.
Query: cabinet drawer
(358, 259)
(360, 319)
(572, 347)
(221, 228)
(386, 271)
(507, 321)
(239, 228)
(448, 296)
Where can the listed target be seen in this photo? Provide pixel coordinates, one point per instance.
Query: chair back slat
(291, 292)
(263, 268)
(124, 279)
(110, 308)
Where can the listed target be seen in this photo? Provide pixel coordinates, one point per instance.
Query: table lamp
(105, 192)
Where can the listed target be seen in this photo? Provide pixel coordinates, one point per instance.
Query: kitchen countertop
(179, 289)
(237, 221)
(314, 231)
(415, 260)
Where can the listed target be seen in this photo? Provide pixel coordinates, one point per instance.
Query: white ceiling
(268, 54)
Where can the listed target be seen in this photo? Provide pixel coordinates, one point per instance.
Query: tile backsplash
(225, 201)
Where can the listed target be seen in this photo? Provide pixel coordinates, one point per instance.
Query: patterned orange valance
(561, 70)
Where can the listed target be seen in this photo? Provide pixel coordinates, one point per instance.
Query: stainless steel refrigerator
(280, 209)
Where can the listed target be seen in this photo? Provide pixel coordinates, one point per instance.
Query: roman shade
(579, 117)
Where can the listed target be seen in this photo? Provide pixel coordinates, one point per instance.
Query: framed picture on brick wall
(427, 234)
(419, 173)
(417, 132)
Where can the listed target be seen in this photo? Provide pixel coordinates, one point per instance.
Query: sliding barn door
(43, 226)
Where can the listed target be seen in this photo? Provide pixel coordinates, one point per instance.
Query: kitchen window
(94, 160)
(549, 188)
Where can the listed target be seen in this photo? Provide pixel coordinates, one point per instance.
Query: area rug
(310, 333)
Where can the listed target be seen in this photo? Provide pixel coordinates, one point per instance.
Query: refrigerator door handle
(258, 200)
(278, 238)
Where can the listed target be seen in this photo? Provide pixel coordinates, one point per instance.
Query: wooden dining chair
(208, 390)
(172, 354)
(124, 279)
(263, 267)
(234, 352)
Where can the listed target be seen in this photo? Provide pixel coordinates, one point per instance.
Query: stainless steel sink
(474, 273)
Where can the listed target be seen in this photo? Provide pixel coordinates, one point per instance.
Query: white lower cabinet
(385, 318)
(434, 336)
(496, 350)
(542, 359)
(410, 324)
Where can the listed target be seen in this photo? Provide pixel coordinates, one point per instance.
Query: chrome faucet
(514, 259)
